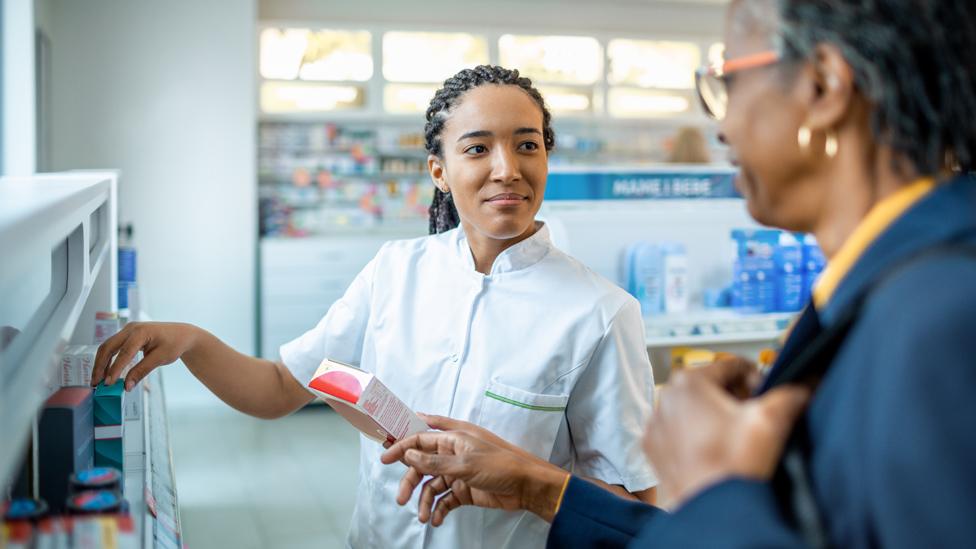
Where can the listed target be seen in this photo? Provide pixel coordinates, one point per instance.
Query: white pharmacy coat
(542, 351)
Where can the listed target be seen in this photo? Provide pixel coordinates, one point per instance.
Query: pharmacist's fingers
(105, 353)
(428, 496)
(411, 479)
(151, 361)
(445, 505)
(132, 345)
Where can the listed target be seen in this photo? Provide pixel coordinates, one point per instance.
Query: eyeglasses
(712, 81)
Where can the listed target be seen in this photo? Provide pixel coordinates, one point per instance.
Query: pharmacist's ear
(436, 168)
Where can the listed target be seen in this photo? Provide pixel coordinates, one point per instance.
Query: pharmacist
(851, 120)
(487, 322)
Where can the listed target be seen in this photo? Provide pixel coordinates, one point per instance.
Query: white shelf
(718, 327)
(150, 474)
(57, 233)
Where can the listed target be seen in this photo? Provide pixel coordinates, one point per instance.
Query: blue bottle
(648, 267)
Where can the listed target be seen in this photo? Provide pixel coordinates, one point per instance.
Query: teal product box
(109, 403)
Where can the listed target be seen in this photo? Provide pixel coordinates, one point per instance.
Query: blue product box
(109, 403)
(754, 285)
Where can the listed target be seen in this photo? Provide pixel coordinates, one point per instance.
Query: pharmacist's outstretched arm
(254, 386)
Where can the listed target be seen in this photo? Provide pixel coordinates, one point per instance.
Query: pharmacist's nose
(504, 166)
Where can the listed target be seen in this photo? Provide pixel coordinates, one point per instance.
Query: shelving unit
(58, 236)
(714, 327)
(57, 233)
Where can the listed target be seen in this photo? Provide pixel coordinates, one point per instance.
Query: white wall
(165, 92)
(17, 144)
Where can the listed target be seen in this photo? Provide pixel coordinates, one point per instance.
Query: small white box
(77, 362)
(364, 402)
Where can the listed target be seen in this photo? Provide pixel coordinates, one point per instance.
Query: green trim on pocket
(490, 394)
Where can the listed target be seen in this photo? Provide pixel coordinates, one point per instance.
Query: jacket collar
(947, 213)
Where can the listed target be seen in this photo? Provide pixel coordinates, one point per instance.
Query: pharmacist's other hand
(466, 470)
(701, 433)
(161, 343)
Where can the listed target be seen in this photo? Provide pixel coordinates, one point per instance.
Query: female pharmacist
(486, 322)
(853, 120)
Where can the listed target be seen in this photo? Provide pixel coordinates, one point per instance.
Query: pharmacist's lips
(507, 197)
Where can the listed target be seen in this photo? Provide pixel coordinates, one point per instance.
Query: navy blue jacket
(892, 426)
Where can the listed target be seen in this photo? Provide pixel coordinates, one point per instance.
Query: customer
(852, 120)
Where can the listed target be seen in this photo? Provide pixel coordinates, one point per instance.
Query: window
(567, 100)
(325, 55)
(407, 98)
(553, 59)
(650, 64)
(716, 54)
(309, 97)
(430, 56)
(640, 103)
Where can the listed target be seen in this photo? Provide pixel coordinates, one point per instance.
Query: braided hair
(443, 214)
(912, 59)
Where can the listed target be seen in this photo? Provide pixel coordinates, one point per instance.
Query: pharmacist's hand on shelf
(703, 432)
(161, 343)
(468, 470)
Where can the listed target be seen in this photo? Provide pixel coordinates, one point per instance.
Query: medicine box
(364, 402)
(65, 440)
(109, 404)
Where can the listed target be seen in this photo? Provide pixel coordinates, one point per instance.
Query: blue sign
(641, 185)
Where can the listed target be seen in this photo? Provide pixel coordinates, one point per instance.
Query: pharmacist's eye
(476, 149)
(529, 146)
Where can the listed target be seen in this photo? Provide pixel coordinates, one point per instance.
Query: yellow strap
(559, 502)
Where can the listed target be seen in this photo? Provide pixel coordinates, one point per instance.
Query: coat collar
(515, 258)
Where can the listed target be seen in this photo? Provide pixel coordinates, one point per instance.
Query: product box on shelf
(65, 441)
(109, 403)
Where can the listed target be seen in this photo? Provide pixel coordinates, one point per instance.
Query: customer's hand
(161, 343)
(442, 423)
(703, 431)
(469, 469)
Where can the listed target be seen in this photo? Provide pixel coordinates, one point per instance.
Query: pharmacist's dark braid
(914, 60)
(443, 214)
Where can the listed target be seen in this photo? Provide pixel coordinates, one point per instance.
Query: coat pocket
(528, 420)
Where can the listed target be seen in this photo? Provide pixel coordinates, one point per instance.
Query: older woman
(852, 120)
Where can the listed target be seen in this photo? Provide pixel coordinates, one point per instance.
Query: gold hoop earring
(830, 144)
(803, 138)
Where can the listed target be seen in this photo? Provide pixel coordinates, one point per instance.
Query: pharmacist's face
(766, 107)
(494, 161)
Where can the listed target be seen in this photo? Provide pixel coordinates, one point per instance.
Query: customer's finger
(436, 464)
(428, 496)
(426, 442)
(445, 505)
(408, 483)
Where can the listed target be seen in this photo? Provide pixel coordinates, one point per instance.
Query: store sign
(642, 185)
